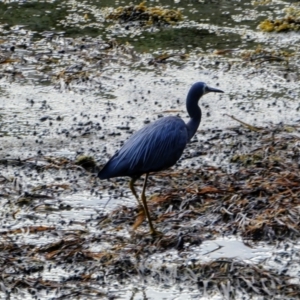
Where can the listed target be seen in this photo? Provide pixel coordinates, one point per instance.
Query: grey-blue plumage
(153, 148)
(158, 145)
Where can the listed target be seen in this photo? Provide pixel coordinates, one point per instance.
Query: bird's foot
(155, 233)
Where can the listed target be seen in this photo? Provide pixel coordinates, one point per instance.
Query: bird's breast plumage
(155, 147)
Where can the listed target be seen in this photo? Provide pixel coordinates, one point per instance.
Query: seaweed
(257, 201)
(290, 22)
(146, 15)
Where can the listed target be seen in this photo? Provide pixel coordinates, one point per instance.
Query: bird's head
(199, 89)
(207, 89)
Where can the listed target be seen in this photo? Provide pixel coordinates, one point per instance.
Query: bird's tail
(103, 174)
(109, 171)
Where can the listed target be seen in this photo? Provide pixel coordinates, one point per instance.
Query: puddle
(231, 248)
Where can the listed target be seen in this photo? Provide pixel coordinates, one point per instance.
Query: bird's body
(157, 146)
(153, 148)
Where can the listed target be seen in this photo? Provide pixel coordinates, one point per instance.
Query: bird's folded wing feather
(154, 147)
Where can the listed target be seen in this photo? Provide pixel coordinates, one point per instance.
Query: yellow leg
(152, 230)
(131, 186)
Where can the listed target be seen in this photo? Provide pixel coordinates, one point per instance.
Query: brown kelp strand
(253, 195)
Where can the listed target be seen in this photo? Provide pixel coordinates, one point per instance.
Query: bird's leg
(152, 230)
(131, 186)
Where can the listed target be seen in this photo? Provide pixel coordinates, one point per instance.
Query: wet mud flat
(229, 209)
(60, 241)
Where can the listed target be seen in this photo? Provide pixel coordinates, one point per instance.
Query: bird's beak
(210, 89)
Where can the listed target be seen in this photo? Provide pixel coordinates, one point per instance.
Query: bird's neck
(194, 112)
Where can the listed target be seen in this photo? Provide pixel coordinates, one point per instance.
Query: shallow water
(66, 93)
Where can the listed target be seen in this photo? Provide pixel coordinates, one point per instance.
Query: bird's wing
(155, 147)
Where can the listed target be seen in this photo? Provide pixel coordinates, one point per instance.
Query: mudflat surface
(77, 80)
